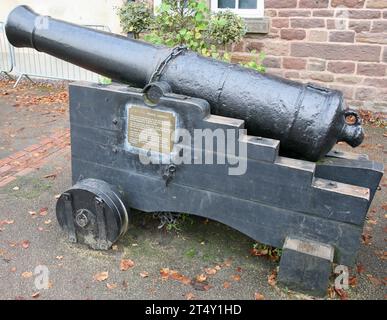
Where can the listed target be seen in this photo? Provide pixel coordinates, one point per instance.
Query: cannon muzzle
(307, 119)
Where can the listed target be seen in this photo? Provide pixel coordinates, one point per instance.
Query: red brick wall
(340, 44)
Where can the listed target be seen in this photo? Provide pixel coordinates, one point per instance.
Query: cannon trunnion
(283, 186)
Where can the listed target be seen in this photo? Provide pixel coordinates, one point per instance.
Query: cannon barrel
(307, 119)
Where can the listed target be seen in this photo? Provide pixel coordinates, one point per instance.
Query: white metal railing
(6, 63)
(29, 63)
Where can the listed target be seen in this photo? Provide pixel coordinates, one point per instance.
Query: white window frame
(246, 13)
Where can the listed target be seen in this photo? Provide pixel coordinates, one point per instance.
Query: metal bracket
(70, 217)
(101, 221)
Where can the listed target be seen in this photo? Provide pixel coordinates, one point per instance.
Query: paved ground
(35, 167)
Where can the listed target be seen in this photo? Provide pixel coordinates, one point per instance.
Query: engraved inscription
(151, 129)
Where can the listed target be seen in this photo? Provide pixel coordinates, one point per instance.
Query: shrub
(135, 17)
(226, 27)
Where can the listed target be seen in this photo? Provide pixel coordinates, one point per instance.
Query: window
(245, 8)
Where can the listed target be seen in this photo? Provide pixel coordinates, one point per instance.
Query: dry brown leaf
(342, 294)
(190, 296)
(125, 264)
(360, 268)
(272, 278)
(218, 268)
(32, 213)
(164, 272)
(201, 277)
(259, 296)
(352, 281)
(179, 277)
(366, 238)
(26, 274)
(102, 276)
(226, 285)
(331, 292)
(144, 274)
(43, 211)
(25, 244)
(111, 286)
(210, 271)
(236, 277)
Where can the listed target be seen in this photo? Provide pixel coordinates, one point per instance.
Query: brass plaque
(151, 129)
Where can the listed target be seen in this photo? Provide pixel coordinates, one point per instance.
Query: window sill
(257, 25)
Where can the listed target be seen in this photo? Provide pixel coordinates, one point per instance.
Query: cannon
(132, 147)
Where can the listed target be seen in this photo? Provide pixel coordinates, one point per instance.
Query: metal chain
(166, 218)
(159, 71)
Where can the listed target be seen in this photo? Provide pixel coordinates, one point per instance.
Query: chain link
(159, 71)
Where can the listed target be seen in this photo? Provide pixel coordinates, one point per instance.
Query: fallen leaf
(32, 213)
(43, 211)
(102, 276)
(144, 274)
(26, 274)
(115, 247)
(259, 296)
(366, 238)
(47, 221)
(272, 278)
(342, 294)
(13, 269)
(201, 277)
(25, 244)
(59, 257)
(239, 269)
(360, 268)
(189, 296)
(125, 264)
(218, 268)
(384, 206)
(331, 292)
(210, 271)
(200, 286)
(179, 277)
(352, 281)
(164, 272)
(226, 285)
(236, 277)
(111, 286)
(35, 295)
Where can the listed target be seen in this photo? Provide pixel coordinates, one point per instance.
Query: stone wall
(340, 44)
